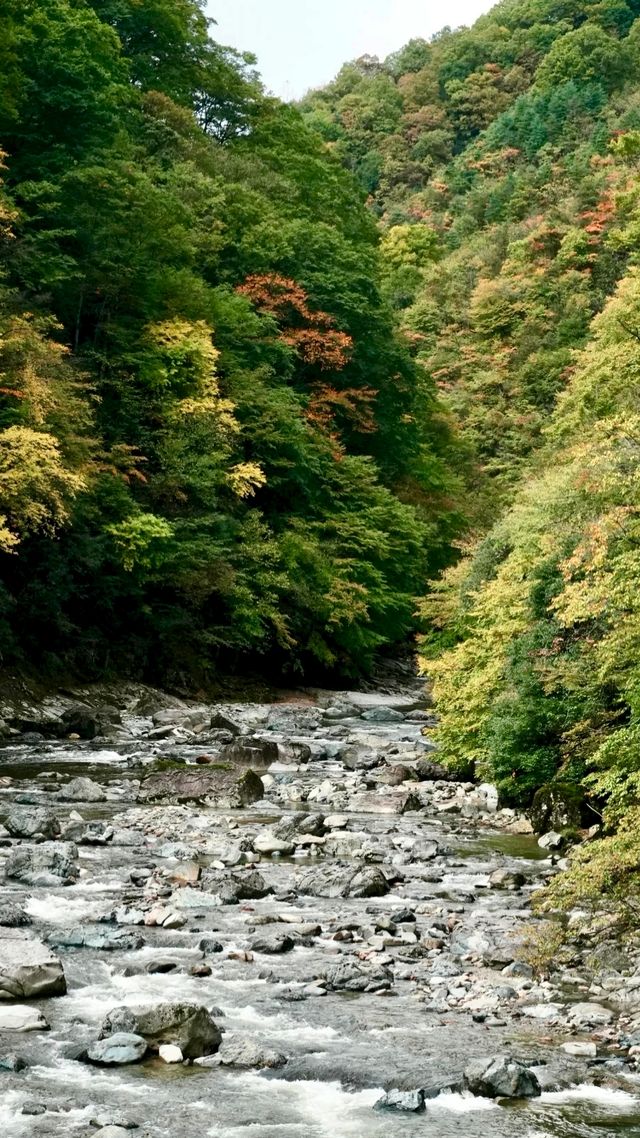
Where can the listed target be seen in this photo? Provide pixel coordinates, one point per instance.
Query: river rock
(358, 976)
(406, 1102)
(341, 881)
(358, 758)
(82, 722)
(336, 821)
(170, 1053)
(13, 916)
(272, 943)
(225, 786)
(28, 969)
(580, 1048)
(428, 771)
(382, 715)
(120, 1048)
(188, 1026)
(267, 843)
(223, 722)
(13, 1062)
(51, 863)
(31, 822)
(243, 1052)
(501, 1077)
(590, 1015)
(106, 940)
(248, 750)
(96, 833)
(21, 1017)
(235, 887)
(551, 841)
(82, 790)
(506, 879)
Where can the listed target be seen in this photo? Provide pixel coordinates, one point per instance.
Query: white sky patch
(303, 43)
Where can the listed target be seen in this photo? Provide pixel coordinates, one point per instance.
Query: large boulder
(361, 758)
(28, 969)
(32, 822)
(188, 1026)
(13, 916)
(248, 885)
(117, 1049)
(429, 771)
(403, 1102)
(222, 722)
(223, 784)
(249, 750)
(81, 721)
(82, 790)
(272, 942)
(352, 975)
(557, 806)
(21, 1017)
(51, 863)
(501, 1077)
(343, 881)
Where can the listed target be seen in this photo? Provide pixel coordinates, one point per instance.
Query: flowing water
(343, 1049)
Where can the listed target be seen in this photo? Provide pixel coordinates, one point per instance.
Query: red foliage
(317, 342)
(311, 333)
(354, 403)
(599, 218)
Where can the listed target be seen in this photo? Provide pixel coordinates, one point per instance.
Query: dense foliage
(213, 447)
(502, 163)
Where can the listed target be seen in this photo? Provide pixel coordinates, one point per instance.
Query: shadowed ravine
(430, 946)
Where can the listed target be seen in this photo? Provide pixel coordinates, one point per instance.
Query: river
(437, 941)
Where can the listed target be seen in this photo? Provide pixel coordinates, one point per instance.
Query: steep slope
(213, 447)
(502, 164)
(486, 155)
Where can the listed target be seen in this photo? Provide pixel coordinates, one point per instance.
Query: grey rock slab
(107, 940)
(243, 1052)
(580, 1049)
(20, 1017)
(120, 1048)
(28, 969)
(225, 785)
(382, 715)
(592, 1015)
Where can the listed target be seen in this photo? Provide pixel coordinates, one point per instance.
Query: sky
(303, 43)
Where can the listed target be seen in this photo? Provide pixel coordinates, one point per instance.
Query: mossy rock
(557, 806)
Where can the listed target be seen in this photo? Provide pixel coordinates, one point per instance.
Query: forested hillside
(502, 163)
(214, 450)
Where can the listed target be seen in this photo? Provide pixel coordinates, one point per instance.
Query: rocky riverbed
(282, 921)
